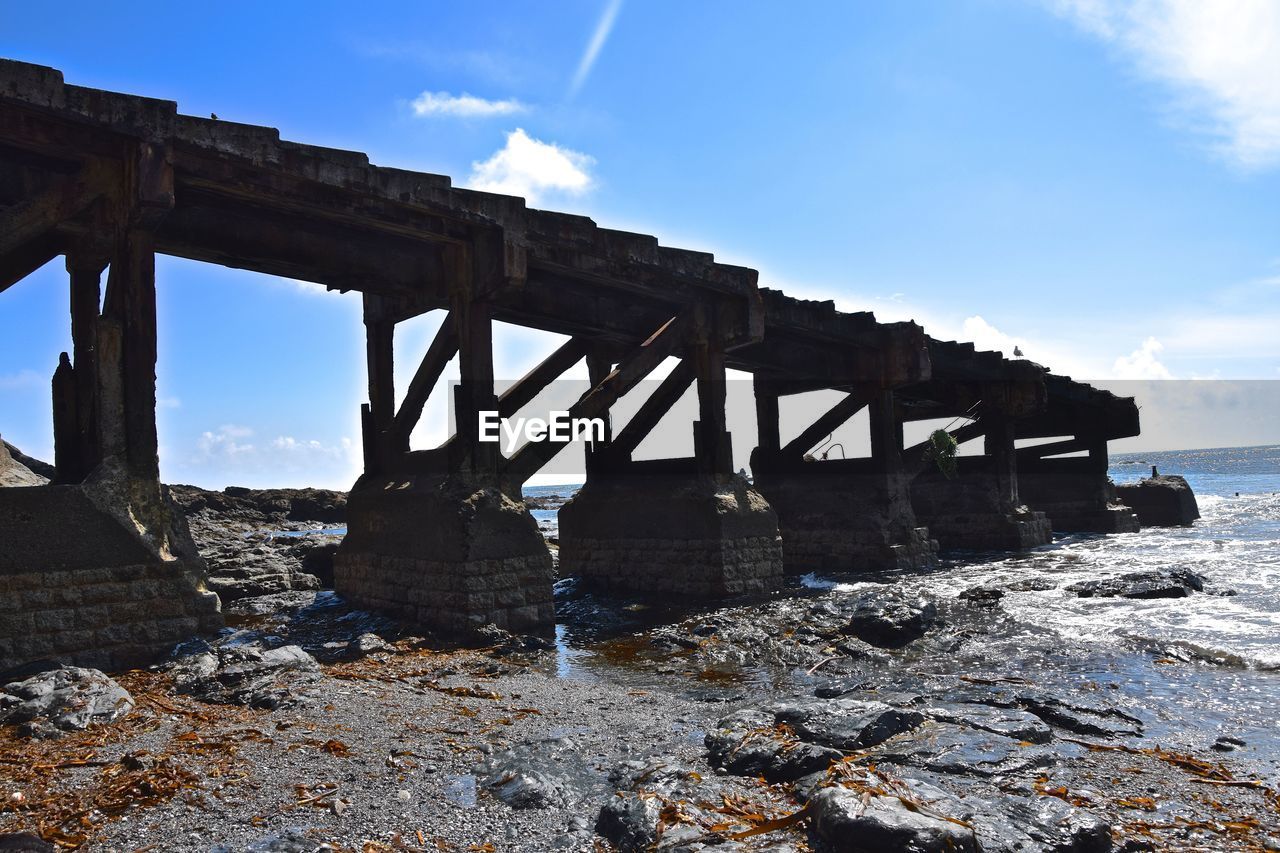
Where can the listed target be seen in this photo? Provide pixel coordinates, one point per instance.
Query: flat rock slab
(61, 700)
(849, 821)
(1014, 824)
(844, 723)
(289, 841)
(859, 809)
(1096, 720)
(1009, 722)
(750, 743)
(1162, 583)
(962, 751)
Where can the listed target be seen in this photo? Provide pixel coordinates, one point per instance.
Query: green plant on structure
(942, 450)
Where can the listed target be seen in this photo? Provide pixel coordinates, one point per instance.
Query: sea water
(1193, 668)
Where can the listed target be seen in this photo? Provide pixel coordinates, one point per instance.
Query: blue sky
(1097, 182)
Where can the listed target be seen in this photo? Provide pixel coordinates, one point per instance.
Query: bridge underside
(441, 536)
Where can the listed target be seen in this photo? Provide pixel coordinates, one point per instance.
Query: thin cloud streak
(598, 38)
(1220, 59)
(430, 104)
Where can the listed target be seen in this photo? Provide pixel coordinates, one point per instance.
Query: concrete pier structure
(441, 536)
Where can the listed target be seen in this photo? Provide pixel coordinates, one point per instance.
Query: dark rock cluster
(260, 542)
(1164, 500)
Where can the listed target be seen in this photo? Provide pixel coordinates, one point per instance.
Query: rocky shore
(869, 718)
(264, 541)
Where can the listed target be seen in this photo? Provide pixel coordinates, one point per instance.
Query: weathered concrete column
(848, 515)
(451, 551)
(979, 509)
(129, 583)
(438, 538)
(687, 527)
(1074, 491)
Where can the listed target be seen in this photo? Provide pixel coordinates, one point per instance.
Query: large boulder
(632, 819)
(1161, 501)
(890, 621)
(67, 699)
(24, 842)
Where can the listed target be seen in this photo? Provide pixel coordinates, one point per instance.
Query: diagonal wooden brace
(827, 423)
(666, 341)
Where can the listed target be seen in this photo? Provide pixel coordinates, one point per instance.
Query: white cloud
(598, 37)
(985, 336)
(228, 446)
(1225, 335)
(1222, 58)
(224, 443)
(1142, 363)
(311, 449)
(168, 403)
(432, 104)
(530, 168)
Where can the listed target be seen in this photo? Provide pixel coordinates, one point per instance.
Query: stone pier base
(689, 535)
(448, 553)
(1076, 498)
(841, 521)
(969, 513)
(80, 585)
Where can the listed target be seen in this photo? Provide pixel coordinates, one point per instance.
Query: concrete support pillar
(687, 527)
(130, 308)
(712, 445)
(680, 532)
(378, 415)
(767, 417)
(76, 409)
(886, 431)
(998, 446)
(67, 464)
(840, 516)
(449, 546)
(104, 531)
(474, 393)
(980, 509)
(1074, 491)
(448, 551)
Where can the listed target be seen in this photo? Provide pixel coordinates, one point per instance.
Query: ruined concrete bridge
(97, 567)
